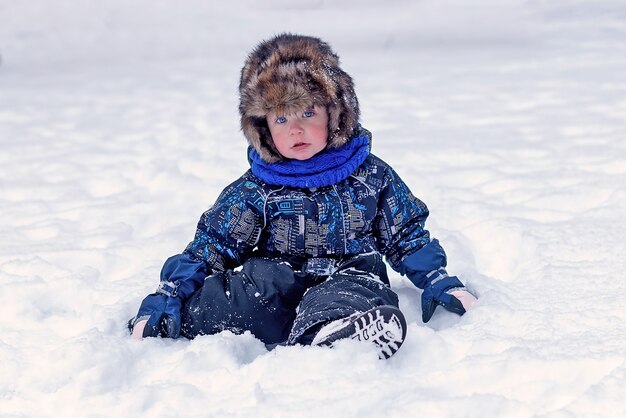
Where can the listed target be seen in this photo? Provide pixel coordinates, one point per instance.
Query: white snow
(119, 127)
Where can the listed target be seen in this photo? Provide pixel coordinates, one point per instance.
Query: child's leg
(358, 287)
(261, 298)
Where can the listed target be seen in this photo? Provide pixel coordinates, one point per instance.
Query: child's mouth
(300, 146)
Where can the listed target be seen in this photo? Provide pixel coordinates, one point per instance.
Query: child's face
(300, 135)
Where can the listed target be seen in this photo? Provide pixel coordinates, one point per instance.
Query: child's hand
(447, 291)
(159, 315)
(465, 297)
(138, 329)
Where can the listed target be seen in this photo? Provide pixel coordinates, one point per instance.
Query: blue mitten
(162, 310)
(438, 291)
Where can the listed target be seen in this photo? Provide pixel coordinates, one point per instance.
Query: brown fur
(292, 73)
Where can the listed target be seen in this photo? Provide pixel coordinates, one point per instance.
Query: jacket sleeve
(402, 236)
(225, 237)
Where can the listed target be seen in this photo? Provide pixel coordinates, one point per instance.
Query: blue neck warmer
(325, 168)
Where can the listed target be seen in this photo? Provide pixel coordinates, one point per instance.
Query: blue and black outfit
(310, 248)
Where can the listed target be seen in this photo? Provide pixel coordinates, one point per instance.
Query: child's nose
(295, 128)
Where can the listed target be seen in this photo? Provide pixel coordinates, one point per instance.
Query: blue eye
(281, 119)
(308, 114)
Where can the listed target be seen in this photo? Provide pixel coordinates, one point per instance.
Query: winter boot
(383, 326)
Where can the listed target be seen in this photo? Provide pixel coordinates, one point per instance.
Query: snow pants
(280, 304)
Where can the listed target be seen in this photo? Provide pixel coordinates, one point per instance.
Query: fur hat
(290, 73)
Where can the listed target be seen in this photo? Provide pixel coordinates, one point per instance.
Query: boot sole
(383, 326)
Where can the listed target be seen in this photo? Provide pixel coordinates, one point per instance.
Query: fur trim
(289, 73)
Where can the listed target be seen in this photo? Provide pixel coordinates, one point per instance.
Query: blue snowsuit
(282, 261)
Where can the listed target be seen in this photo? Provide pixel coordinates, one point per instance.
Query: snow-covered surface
(119, 126)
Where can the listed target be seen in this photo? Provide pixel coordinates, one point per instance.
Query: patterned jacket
(370, 211)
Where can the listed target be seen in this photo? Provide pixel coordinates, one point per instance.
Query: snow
(119, 127)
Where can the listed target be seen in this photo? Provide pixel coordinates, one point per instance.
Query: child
(292, 251)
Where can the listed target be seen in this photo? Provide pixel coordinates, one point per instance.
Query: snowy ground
(118, 127)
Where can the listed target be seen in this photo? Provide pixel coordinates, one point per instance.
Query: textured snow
(119, 127)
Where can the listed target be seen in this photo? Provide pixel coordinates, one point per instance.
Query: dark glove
(162, 310)
(440, 290)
